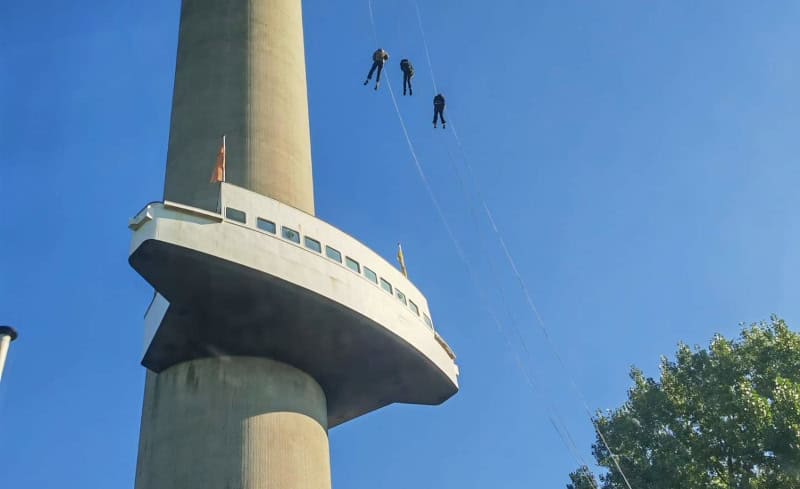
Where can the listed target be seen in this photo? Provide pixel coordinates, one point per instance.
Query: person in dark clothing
(379, 57)
(408, 74)
(438, 110)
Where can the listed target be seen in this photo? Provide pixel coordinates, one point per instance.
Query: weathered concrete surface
(233, 423)
(220, 308)
(241, 72)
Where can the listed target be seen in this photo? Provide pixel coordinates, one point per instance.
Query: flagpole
(221, 204)
(402, 260)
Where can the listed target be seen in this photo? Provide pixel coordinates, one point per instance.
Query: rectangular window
(313, 244)
(290, 234)
(413, 307)
(353, 265)
(400, 296)
(265, 225)
(427, 320)
(235, 215)
(333, 254)
(371, 275)
(386, 286)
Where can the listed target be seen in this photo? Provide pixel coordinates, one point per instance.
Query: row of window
(312, 244)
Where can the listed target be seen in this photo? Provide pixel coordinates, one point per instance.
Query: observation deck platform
(264, 279)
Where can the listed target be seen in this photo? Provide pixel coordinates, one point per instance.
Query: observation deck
(264, 279)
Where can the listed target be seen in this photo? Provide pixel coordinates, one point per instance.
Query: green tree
(726, 417)
(582, 479)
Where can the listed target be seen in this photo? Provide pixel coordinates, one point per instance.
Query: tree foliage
(582, 479)
(723, 417)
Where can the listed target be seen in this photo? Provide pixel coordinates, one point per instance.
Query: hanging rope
(558, 425)
(532, 306)
(372, 22)
(413, 151)
(425, 43)
(555, 420)
(526, 292)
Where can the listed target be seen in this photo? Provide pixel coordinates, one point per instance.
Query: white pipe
(5, 341)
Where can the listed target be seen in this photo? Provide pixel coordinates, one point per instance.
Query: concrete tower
(268, 326)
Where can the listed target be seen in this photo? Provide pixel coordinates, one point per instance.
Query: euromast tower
(268, 326)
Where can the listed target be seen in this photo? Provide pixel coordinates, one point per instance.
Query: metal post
(7, 335)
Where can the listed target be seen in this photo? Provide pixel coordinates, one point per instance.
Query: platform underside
(220, 308)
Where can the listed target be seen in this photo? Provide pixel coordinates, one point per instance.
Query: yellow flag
(402, 260)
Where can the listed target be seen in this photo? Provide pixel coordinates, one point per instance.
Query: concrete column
(241, 71)
(233, 423)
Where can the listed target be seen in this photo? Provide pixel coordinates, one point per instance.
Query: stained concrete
(240, 72)
(237, 422)
(233, 423)
(362, 365)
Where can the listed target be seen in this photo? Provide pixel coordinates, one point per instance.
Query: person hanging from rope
(408, 74)
(438, 110)
(379, 57)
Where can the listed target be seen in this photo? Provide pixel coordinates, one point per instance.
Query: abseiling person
(408, 74)
(379, 58)
(438, 110)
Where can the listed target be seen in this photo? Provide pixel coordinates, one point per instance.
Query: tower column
(241, 71)
(233, 423)
(260, 343)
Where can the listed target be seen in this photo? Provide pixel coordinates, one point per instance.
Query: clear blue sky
(641, 160)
